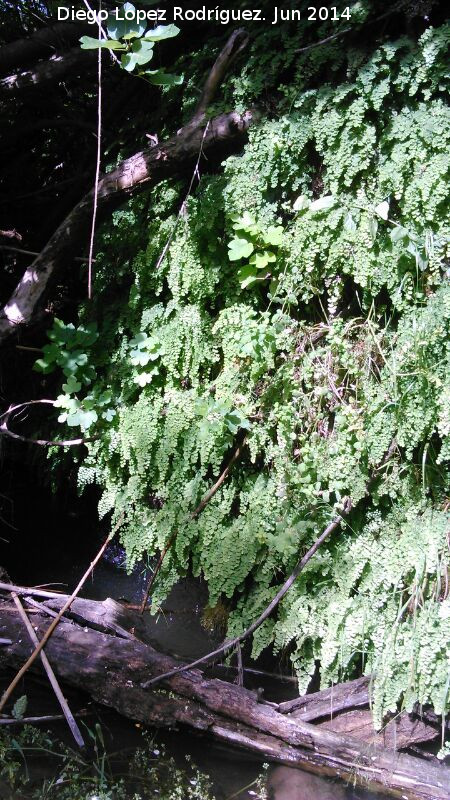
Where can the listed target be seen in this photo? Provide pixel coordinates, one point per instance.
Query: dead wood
(235, 45)
(50, 674)
(328, 702)
(224, 133)
(112, 671)
(43, 43)
(5, 431)
(399, 733)
(52, 627)
(142, 171)
(45, 72)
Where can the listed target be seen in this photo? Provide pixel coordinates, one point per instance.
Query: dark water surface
(177, 629)
(54, 541)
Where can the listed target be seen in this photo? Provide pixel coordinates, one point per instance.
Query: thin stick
(32, 253)
(240, 666)
(261, 673)
(209, 494)
(183, 205)
(231, 644)
(393, 10)
(50, 674)
(8, 692)
(323, 41)
(99, 156)
(43, 608)
(25, 590)
(102, 31)
(237, 42)
(4, 430)
(34, 720)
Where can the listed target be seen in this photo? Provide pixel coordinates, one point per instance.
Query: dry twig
(4, 430)
(231, 644)
(66, 606)
(50, 674)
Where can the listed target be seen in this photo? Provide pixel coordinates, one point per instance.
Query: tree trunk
(56, 68)
(142, 171)
(112, 669)
(41, 44)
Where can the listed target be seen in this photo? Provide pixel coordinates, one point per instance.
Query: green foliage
(339, 198)
(65, 352)
(20, 707)
(130, 37)
(68, 775)
(251, 242)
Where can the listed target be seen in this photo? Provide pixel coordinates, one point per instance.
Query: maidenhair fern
(340, 201)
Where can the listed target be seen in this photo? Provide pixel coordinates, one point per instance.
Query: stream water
(176, 629)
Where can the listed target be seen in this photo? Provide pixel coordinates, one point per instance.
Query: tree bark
(45, 72)
(112, 670)
(41, 44)
(142, 171)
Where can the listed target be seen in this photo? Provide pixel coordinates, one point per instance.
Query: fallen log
(112, 670)
(348, 696)
(45, 72)
(399, 733)
(41, 44)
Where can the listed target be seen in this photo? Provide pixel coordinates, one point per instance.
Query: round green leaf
(261, 260)
(162, 32)
(247, 276)
(274, 235)
(161, 78)
(239, 248)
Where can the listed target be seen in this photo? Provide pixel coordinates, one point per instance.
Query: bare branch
(234, 47)
(48, 71)
(397, 7)
(35, 720)
(142, 171)
(41, 44)
(98, 160)
(4, 430)
(8, 692)
(50, 674)
(33, 252)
